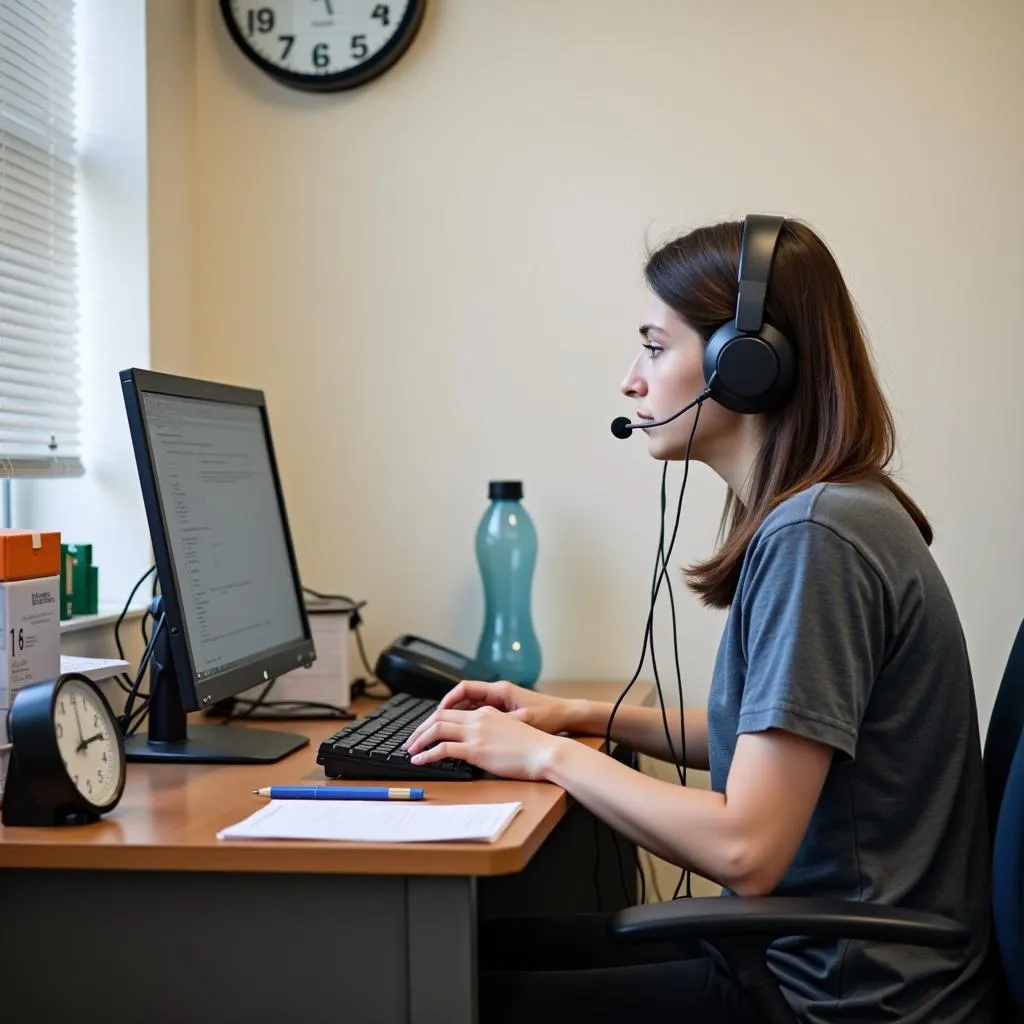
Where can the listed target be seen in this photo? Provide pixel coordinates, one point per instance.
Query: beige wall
(436, 279)
(171, 113)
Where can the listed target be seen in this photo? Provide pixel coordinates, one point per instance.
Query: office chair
(740, 929)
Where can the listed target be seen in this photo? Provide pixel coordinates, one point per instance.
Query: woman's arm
(643, 730)
(745, 838)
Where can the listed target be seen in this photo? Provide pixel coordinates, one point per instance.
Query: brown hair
(837, 426)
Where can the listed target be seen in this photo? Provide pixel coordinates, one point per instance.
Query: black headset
(749, 365)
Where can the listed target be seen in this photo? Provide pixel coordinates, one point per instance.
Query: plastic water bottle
(506, 551)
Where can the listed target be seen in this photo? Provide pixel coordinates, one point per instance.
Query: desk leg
(442, 950)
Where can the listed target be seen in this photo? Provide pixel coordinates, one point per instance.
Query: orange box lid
(27, 554)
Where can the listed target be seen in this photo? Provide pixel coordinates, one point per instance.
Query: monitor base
(217, 744)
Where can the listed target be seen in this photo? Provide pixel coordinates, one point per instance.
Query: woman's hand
(498, 743)
(549, 714)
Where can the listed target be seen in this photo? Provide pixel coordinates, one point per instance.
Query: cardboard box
(27, 555)
(29, 641)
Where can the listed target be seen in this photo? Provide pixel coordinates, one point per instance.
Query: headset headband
(760, 235)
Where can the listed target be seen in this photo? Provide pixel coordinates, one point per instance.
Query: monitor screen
(232, 597)
(219, 501)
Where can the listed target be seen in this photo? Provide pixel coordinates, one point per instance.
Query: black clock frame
(350, 79)
(39, 790)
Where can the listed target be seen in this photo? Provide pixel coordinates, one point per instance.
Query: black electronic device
(422, 668)
(750, 365)
(372, 747)
(231, 612)
(622, 428)
(67, 762)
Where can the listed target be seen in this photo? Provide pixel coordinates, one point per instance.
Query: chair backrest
(1004, 784)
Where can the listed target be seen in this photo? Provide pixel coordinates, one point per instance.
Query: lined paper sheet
(366, 821)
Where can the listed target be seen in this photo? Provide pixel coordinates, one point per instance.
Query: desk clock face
(88, 743)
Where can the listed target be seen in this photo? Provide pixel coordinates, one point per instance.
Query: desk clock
(67, 762)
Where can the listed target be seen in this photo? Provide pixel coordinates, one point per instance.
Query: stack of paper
(366, 821)
(96, 669)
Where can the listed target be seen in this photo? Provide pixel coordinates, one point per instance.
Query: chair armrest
(773, 917)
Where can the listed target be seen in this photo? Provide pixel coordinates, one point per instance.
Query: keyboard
(370, 747)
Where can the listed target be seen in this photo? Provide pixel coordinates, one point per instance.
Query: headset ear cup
(753, 373)
(713, 350)
(784, 383)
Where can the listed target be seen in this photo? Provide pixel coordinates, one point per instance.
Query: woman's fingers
(469, 695)
(468, 691)
(418, 731)
(456, 695)
(446, 748)
(435, 732)
(437, 716)
(419, 739)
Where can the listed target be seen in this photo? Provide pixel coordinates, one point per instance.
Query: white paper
(95, 669)
(370, 821)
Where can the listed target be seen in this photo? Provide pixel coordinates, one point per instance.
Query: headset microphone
(622, 428)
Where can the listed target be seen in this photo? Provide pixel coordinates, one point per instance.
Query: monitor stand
(170, 739)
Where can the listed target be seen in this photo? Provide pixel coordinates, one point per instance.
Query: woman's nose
(634, 385)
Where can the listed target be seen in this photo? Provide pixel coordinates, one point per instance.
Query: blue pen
(341, 792)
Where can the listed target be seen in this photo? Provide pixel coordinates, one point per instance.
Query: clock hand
(81, 741)
(91, 739)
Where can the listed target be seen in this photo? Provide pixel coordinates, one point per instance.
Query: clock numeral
(99, 775)
(289, 42)
(61, 706)
(321, 58)
(88, 785)
(104, 756)
(260, 20)
(382, 12)
(96, 721)
(359, 47)
(60, 731)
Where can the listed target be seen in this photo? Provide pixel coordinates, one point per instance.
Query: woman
(840, 732)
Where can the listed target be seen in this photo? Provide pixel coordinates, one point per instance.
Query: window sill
(104, 618)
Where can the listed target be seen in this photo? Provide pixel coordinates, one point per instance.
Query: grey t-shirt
(842, 630)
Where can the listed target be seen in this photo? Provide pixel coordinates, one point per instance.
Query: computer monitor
(232, 602)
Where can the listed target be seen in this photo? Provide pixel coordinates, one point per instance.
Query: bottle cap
(505, 490)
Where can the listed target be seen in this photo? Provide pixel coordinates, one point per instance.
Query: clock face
(88, 743)
(323, 44)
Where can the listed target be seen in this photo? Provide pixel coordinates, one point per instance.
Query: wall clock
(323, 45)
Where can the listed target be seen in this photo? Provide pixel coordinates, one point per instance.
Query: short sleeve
(813, 617)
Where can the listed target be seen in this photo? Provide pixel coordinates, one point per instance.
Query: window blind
(39, 375)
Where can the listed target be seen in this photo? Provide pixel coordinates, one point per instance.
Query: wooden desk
(151, 909)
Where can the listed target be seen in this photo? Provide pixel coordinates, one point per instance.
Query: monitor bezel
(198, 694)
